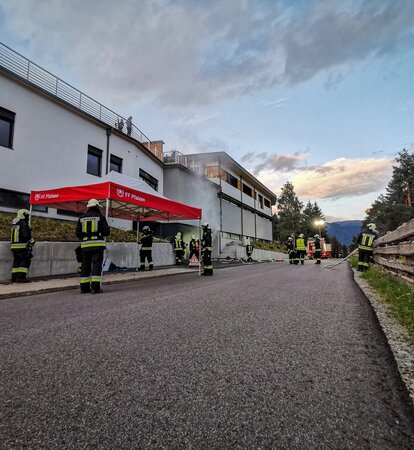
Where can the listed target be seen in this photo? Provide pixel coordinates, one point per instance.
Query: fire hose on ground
(331, 266)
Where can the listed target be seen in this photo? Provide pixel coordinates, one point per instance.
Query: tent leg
(30, 215)
(199, 246)
(106, 216)
(137, 244)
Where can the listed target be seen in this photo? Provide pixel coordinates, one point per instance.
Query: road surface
(258, 356)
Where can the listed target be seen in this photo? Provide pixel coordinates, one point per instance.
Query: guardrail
(29, 71)
(395, 251)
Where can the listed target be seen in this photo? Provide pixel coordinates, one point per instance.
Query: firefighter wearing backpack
(365, 246)
(146, 248)
(207, 249)
(92, 229)
(291, 249)
(21, 244)
(300, 248)
(179, 248)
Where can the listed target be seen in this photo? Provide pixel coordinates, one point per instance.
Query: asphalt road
(258, 356)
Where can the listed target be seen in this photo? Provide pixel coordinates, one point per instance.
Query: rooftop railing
(24, 68)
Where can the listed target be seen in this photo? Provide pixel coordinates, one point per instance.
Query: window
(18, 200)
(6, 127)
(115, 164)
(267, 203)
(232, 180)
(149, 179)
(212, 172)
(261, 201)
(94, 161)
(247, 190)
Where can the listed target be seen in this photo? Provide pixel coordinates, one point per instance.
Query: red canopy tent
(124, 198)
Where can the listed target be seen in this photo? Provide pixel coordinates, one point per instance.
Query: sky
(316, 92)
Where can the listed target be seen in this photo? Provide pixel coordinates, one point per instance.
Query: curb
(394, 333)
(73, 287)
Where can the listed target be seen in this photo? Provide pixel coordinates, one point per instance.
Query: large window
(232, 180)
(18, 200)
(149, 179)
(261, 201)
(94, 165)
(116, 164)
(267, 203)
(6, 127)
(247, 190)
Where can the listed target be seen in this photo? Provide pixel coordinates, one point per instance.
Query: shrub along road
(258, 356)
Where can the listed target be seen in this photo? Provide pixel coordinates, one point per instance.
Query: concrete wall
(53, 140)
(58, 258)
(235, 250)
(264, 228)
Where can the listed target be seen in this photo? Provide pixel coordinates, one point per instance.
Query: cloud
(279, 103)
(179, 52)
(193, 120)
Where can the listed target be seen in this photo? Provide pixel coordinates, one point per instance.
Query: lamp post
(319, 223)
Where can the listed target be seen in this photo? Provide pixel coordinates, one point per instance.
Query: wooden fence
(395, 251)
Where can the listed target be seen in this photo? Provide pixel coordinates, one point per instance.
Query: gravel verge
(395, 334)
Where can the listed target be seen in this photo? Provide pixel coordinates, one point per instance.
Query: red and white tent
(125, 198)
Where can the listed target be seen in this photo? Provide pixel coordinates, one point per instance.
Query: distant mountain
(344, 231)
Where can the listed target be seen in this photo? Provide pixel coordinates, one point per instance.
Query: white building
(53, 135)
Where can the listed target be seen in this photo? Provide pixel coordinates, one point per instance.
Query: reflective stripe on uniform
(362, 247)
(91, 243)
(363, 264)
(17, 246)
(208, 267)
(85, 280)
(146, 248)
(96, 279)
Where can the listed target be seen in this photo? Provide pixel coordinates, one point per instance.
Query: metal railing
(24, 68)
(176, 157)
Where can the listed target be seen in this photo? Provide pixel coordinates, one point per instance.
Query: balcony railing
(22, 67)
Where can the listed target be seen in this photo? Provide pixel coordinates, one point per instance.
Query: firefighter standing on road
(249, 252)
(21, 245)
(206, 250)
(146, 248)
(291, 250)
(317, 248)
(300, 249)
(365, 246)
(92, 229)
(179, 248)
(194, 247)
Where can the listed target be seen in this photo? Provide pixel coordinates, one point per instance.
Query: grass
(274, 246)
(56, 230)
(397, 295)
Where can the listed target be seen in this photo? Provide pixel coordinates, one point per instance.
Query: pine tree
(289, 212)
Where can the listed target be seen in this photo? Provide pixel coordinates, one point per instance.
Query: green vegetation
(397, 295)
(45, 229)
(274, 246)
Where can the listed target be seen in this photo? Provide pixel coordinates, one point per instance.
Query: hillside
(344, 231)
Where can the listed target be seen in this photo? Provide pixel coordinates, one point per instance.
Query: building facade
(53, 135)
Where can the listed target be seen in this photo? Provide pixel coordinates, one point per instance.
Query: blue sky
(319, 92)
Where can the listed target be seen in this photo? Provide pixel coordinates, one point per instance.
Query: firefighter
(179, 248)
(317, 244)
(146, 248)
(291, 250)
(249, 252)
(206, 249)
(194, 247)
(92, 229)
(21, 245)
(300, 249)
(365, 246)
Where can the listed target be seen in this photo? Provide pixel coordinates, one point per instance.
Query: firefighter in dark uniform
(291, 250)
(365, 246)
(92, 229)
(21, 244)
(146, 248)
(179, 249)
(206, 250)
(194, 247)
(249, 252)
(318, 250)
(300, 249)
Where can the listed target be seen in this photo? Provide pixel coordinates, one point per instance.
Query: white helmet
(21, 213)
(316, 236)
(301, 235)
(93, 202)
(146, 228)
(290, 238)
(192, 236)
(372, 226)
(205, 225)
(178, 235)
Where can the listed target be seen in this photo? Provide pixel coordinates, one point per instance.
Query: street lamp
(319, 223)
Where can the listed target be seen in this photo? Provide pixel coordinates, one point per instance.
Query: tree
(310, 215)
(289, 212)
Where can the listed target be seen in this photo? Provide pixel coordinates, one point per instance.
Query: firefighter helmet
(178, 235)
(146, 228)
(372, 226)
(193, 237)
(316, 236)
(21, 213)
(301, 235)
(93, 202)
(205, 225)
(290, 238)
